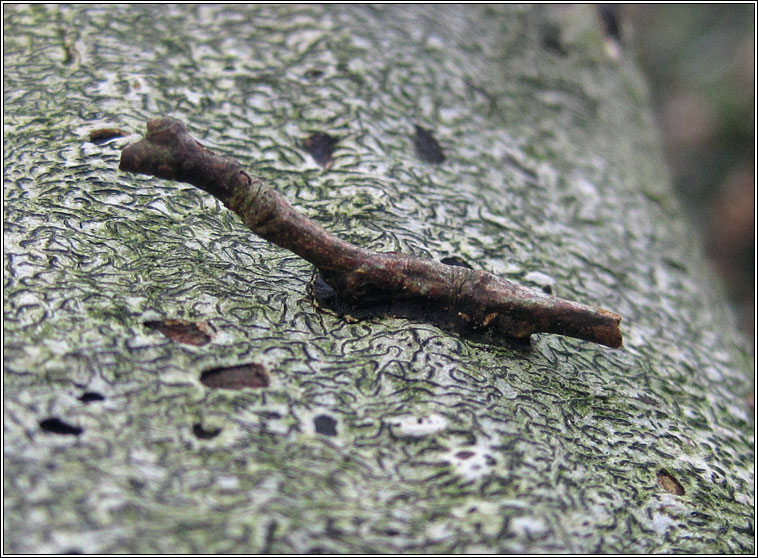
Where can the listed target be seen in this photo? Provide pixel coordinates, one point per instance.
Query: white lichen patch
(470, 462)
(227, 483)
(542, 280)
(410, 426)
(661, 522)
(589, 198)
(743, 499)
(527, 526)
(637, 336)
(56, 347)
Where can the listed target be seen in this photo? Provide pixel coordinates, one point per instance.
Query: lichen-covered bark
(384, 435)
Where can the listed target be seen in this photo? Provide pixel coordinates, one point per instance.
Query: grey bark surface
(385, 435)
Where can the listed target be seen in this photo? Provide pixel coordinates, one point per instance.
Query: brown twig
(358, 275)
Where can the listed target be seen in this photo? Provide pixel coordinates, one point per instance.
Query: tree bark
(172, 385)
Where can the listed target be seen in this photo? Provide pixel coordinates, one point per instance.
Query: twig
(359, 276)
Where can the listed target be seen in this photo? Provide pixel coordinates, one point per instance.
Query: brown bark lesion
(357, 275)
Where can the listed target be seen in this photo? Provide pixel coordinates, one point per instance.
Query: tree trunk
(385, 434)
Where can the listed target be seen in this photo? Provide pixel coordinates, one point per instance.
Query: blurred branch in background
(700, 61)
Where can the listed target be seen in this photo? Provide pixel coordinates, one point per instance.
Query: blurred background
(700, 62)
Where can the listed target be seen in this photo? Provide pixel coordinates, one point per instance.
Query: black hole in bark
(464, 454)
(669, 483)
(427, 147)
(90, 396)
(137, 484)
(314, 74)
(183, 331)
(609, 14)
(57, 426)
(205, 434)
(236, 377)
(551, 39)
(325, 425)
(457, 261)
(104, 134)
(321, 147)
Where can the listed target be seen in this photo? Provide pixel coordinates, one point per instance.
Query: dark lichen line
(356, 274)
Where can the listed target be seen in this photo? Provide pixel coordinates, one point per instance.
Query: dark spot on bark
(205, 434)
(391, 532)
(321, 147)
(675, 264)
(182, 331)
(331, 529)
(236, 377)
(427, 147)
(647, 400)
(137, 484)
(70, 53)
(609, 15)
(104, 134)
(57, 426)
(464, 454)
(668, 482)
(455, 260)
(90, 396)
(551, 39)
(325, 425)
(547, 289)
(270, 536)
(314, 74)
